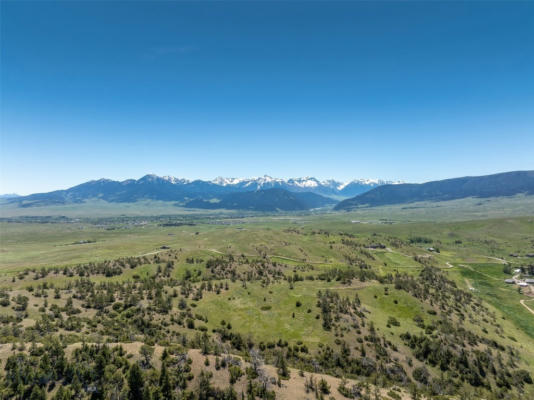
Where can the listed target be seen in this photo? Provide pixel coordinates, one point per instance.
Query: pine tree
(204, 385)
(283, 370)
(135, 383)
(37, 393)
(164, 382)
(63, 394)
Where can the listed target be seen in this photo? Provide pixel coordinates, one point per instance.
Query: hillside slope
(277, 307)
(497, 185)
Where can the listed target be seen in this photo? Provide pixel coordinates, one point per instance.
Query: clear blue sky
(405, 90)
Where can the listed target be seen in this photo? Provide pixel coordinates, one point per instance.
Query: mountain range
(166, 188)
(271, 194)
(496, 185)
(329, 187)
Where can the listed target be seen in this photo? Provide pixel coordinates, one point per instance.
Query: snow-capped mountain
(330, 187)
(261, 182)
(169, 188)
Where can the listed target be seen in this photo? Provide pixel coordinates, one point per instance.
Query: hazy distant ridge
(497, 185)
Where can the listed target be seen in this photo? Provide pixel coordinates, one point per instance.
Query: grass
(288, 240)
(294, 242)
(488, 281)
(454, 210)
(100, 208)
(243, 309)
(382, 307)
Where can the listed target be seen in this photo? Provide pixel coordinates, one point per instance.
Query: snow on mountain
(221, 181)
(332, 183)
(169, 188)
(367, 182)
(330, 186)
(264, 180)
(174, 180)
(308, 183)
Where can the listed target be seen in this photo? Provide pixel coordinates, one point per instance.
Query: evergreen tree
(37, 393)
(204, 385)
(135, 383)
(164, 382)
(281, 363)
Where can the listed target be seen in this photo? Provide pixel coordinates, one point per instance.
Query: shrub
(324, 387)
(420, 374)
(235, 373)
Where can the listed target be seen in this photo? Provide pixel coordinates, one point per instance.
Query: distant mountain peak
(260, 181)
(222, 181)
(170, 188)
(175, 180)
(9, 196)
(101, 180)
(306, 182)
(149, 178)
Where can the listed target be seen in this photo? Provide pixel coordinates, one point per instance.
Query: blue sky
(403, 90)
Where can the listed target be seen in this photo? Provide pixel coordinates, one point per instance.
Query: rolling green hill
(366, 307)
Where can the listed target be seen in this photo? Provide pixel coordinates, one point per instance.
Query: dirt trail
(502, 261)
(216, 251)
(527, 307)
(276, 256)
(296, 260)
(469, 284)
(389, 250)
(152, 253)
